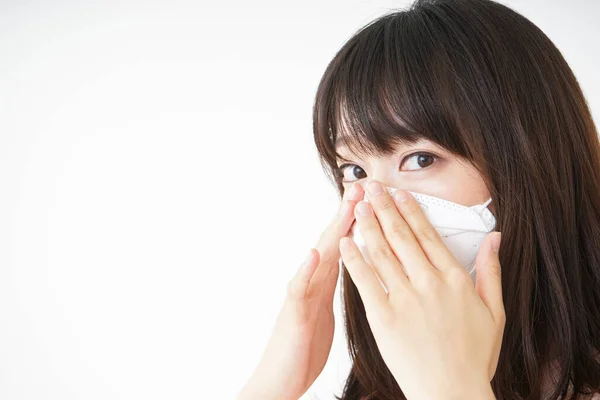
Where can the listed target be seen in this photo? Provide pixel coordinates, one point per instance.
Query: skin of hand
(301, 340)
(439, 334)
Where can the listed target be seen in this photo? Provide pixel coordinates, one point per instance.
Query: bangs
(390, 84)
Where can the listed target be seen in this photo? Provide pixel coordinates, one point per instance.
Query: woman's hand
(301, 340)
(439, 335)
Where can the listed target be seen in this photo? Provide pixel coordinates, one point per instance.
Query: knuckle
(411, 208)
(427, 233)
(428, 282)
(399, 229)
(386, 204)
(458, 278)
(350, 258)
(381, 252)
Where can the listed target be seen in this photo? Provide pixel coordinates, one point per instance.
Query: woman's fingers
(319, 272)
(339, 226)
(371, 292)
(424, 233)
(398, 232)
(328, 244)
(489, 287)
(381, 255)
(298, 285)
(489, 277)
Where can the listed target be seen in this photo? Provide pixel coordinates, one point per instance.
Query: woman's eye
(415, 161)
(419, 161)
(349, 171)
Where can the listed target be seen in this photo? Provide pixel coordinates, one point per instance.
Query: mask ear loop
(487, 217)
(480, 207)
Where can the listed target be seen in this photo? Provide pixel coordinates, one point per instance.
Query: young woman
(463, 100)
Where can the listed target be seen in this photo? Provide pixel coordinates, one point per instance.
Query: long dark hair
(487, 84)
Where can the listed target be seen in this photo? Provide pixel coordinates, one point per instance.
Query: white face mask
(461, 228)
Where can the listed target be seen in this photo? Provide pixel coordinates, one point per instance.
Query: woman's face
(422, 167)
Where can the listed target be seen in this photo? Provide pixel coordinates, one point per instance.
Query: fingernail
(375, 188)
(496, 241)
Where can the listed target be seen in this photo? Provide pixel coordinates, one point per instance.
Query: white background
(160, 185)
